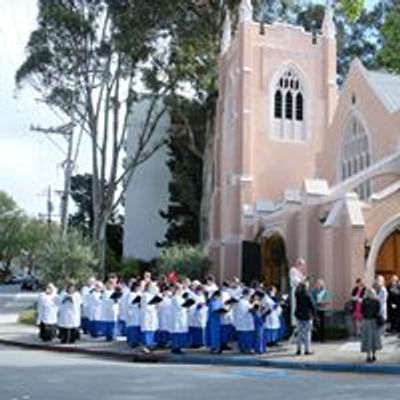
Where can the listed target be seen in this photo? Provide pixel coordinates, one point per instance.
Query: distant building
(301, 169)
(147, 192)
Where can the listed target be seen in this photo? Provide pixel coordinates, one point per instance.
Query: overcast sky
(29, 162)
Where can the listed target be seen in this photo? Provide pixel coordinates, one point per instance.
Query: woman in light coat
(296, 277)
(382, 293)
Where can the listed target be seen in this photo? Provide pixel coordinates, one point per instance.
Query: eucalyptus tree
(93, 60)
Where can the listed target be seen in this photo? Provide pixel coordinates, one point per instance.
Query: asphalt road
(34, 375)
(12, 302)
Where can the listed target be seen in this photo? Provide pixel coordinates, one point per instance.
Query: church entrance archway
(388, 261)
(384, 255)
(274, 263)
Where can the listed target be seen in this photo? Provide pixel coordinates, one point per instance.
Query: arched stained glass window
(278, 112)
(289, 107)
(299, 107)
(356, 154)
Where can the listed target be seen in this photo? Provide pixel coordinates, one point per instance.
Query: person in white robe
(179, 320)
(198, 317)
(110, 312)
(164, 317)
(133, 315)
(227, 324)
(210, 286)
(85, 293)
(148, 316)
(47, 310)
(109, 309)
(69, 317)
(245, 323)
(123, 307)
(272, 324)
(95, 300)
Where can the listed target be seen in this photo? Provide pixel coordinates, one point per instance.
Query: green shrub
(28, 316)
(129, 268)
(69, 257)
(185, 260)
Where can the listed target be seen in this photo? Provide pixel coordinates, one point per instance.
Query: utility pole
(67, 131)
(48, 215)
(68, 168)
(49, 207)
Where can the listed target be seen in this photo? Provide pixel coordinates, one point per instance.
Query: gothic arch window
(356, 154)
(278, 104)
(299, 107)
(289, 107)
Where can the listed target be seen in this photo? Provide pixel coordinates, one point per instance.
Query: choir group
(159, 314)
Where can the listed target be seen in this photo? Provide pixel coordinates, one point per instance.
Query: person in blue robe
(215, 307)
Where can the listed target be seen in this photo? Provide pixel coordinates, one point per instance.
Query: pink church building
(301, 167)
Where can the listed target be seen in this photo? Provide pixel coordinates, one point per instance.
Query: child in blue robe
(215, 307)
(259, 321)
(245, 323)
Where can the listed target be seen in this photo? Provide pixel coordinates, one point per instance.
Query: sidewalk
(333, 356)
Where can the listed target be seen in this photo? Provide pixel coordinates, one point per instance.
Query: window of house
(289, 108)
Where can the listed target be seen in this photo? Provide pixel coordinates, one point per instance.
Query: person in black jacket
(393, 305)
(304, 313)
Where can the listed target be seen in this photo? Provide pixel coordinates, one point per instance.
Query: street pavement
(13, 301)
(37, 375)
(344, 356)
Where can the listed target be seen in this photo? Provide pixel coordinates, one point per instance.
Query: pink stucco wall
(253, 165)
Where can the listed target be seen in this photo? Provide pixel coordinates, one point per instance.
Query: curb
(240, 361)
(217, 360)
(134, 357)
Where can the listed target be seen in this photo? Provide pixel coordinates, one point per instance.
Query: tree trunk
(100, 241)
(208, 178)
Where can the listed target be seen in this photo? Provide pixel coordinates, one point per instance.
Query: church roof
(387, 88)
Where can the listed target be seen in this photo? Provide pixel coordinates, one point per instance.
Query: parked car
(27, 281)
(14, 279)
(30, 282)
